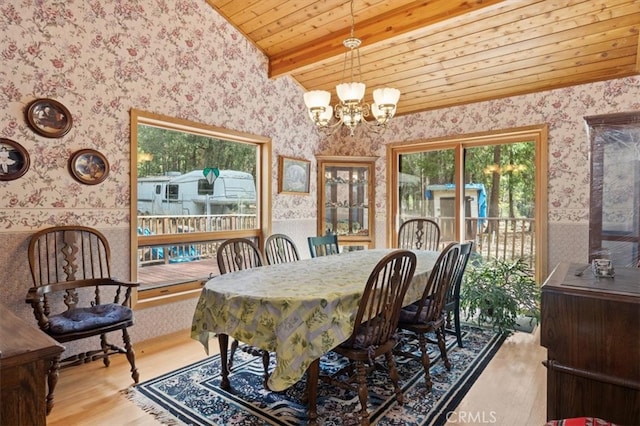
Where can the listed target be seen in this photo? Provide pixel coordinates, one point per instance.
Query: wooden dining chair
(375, 327)
(323, 245)
(74, 296)
(236, 254)
(452, 301)
(279, 248)
(427, 314)
(419, 234)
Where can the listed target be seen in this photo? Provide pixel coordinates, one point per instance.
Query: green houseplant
(497, 292)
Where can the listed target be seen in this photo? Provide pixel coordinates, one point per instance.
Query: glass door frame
(536, 134)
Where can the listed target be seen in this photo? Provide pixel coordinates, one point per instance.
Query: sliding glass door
(490, 189)
(421, 175)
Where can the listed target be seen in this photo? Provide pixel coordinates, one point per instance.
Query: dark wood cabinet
(591, 329)
(25, 357)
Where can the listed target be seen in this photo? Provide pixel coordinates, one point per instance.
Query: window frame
(537, 134)
(190, 289)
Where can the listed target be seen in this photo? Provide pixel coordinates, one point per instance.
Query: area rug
(192, 395)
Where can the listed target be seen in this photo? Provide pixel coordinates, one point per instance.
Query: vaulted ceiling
(441, 53)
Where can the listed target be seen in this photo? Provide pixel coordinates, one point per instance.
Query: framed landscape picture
(293, 175)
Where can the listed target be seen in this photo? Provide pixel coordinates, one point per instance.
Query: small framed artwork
(49, 118)
(293, 175)
(88, 166)
(14, 160)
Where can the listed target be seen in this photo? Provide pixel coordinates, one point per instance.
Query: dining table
(298, 310)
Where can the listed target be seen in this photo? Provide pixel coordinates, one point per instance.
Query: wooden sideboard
(25, 356)
(591, 329)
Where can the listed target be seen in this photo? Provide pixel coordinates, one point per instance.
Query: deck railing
(508, 239)
(500, 238)
(175, 253)
(157, 225)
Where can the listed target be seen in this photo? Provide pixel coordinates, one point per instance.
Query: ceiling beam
(413, 17)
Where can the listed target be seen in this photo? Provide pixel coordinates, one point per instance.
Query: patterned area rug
(191, 395)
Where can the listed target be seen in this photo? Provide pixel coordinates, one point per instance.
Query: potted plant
(498, 292)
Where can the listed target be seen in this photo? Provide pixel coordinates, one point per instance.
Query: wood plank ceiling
(441, 53)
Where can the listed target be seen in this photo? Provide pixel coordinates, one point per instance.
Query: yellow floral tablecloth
(298, 310)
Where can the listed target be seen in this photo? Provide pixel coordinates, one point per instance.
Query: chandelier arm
(330, 129)
(374, 125)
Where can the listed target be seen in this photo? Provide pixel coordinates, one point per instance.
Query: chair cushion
(408, 313)
(364, 340)
(81, 319)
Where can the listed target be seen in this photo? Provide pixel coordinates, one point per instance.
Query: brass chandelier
(351, 111)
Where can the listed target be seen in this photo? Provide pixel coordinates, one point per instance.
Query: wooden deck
(499, 238)
(151, 276)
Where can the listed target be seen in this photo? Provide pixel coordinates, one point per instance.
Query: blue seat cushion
(81, 319)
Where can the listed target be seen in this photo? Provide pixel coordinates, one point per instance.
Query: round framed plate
(88, 166)
(49, 118)
(14, 160)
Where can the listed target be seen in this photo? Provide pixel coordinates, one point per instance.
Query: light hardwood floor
(510, 391)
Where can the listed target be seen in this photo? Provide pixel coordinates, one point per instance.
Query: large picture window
(193, 186)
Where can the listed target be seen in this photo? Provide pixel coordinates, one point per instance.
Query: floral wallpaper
(180, 58)
(563, 110)
(100, 59)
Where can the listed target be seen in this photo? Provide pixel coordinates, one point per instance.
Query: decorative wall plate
(88, 166)
(49, 118)
(14, 160)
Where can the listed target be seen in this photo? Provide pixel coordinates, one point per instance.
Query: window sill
(168, 294)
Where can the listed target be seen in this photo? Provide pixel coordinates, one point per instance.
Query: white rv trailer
(191, 194)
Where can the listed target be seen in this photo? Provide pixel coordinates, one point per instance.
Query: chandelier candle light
(351, 110)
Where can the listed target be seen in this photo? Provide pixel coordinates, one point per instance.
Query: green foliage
(499, 291)
(175, 151)
(509, 186)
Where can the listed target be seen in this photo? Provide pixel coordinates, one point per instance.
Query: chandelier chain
(352, 43)
(353, 20)
(351, 110)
